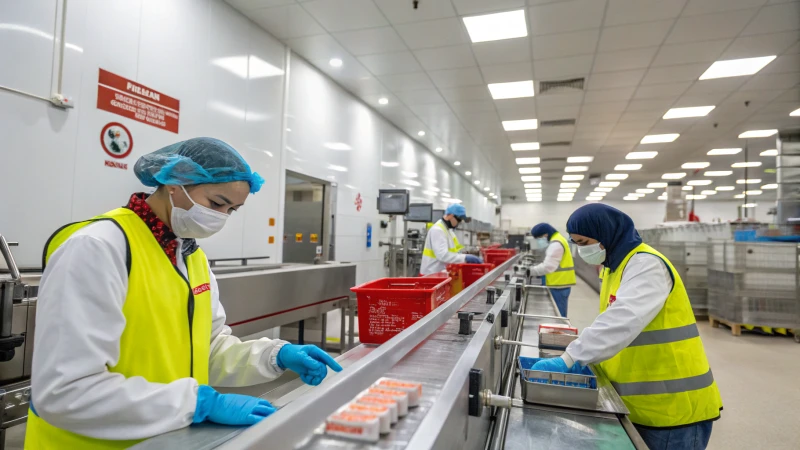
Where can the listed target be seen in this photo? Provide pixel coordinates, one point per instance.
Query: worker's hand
(551, 365)
(473, 260)
(309, 361)
(229, 409)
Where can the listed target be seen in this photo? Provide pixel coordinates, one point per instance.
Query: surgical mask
(592, 254)
(542, 242)
(198, 222)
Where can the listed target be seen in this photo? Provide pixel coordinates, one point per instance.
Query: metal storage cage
(689, 260)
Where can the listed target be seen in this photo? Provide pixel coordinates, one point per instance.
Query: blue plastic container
(744, 236)
(527, 364)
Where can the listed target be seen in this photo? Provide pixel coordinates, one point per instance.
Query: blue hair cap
(456, 210)
(201, 160)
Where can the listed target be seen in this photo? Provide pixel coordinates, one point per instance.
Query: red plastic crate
(464, 275)
(387, 306)
(497, 256)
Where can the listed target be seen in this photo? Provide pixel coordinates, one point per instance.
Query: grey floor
(758, 376)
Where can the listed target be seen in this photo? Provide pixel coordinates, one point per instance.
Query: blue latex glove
(551, 365)
(229, 409)
(309, 361)
(471, 259)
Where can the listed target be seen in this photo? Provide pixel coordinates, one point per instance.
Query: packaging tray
(558, 389)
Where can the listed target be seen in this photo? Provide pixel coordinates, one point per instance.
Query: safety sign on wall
(313, 238)
(130, 99)
(298, 237)
(117, 142)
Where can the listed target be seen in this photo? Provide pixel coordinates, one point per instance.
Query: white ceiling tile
(433, 33)
(465, 93)
(503, 51)
(641, 118)
(761, 45)
(708, 98)
(719, 85)
(556, 134)
(695, 52)
(566, 16)
(453, 57)
(321, 46)
(523, 106)
(782, 64)
(591, 115)
(559, 99)
(449, 78)
(427, 110)
(407, 82)
(671, 90)
(562, 67)
(565, 44)
(502, 73)
(696, 7)
(523, 136)
(604, 108)
(370, 41)
(633, 11)
(558, 112)
(472, 106)
(772, 19)
(609, 95)
(390, 63)
(659, 105)
(672, 74)
(402, 12)
(624, 60)
(773, 81)
(341, 15)
(467, 7)
(285, 22)
(610, 80)
(249, 5)
(634, 36)
(710, 26)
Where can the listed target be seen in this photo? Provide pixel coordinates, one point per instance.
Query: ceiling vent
(561, 86)
(555, 144)
(556, 123)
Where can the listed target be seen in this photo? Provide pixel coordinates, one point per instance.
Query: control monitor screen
(393, 202)
(420, 212)
(437, 214)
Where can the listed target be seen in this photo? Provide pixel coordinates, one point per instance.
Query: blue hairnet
(200, 160)
(612, 227)
(543, 228)
(456, 210)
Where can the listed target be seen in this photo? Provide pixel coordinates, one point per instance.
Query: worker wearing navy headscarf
(557, 268)
(645, 338)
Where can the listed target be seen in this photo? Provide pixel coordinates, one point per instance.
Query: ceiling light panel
(725, 188)
(771, 152)
(635, 194)
(572, 177)
(514, 89)
(521, 161)
(687, 188)
(529, 170)
(708, 192)
(516, 125)
(695, 197)
(523, 146)
(723, 151)
(576, 168)
(756, 192)
(769, 186)
(628, 167)
(533, 191)
(738, 196)
(659, 138)
(531, 178)
(641, 155)
(718, 173)
(752, 134)
(740, 165)
(603, 189)
(532, 185)
(657, 185)
(673, 176)
(695, 165)
(630, 198)
(579, 159)
(749, 181)
(495, 27)
(616, 176)
(736, 67)
(694, 111)
(609, 184)
(645, 191)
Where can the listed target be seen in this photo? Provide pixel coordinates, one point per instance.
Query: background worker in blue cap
(441, 245)
(557, 268)
(645, 339)
(132, 329)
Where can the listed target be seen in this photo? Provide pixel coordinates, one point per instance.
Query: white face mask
(198, 222)
(592, 254)
(542, 242)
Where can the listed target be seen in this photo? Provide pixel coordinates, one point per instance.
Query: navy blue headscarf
(612, 227)
(543, 228)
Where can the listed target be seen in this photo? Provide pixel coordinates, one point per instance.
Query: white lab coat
(79, 323)
(552, 260)
(646, 283)
(439, 241)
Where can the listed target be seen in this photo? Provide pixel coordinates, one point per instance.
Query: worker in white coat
(441, 244)
(645, 339)
(557, 269)
(132, 333)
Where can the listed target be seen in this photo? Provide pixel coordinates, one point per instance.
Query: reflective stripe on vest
(565, 274)
(453, 245)
(663, 376)
(156, 310)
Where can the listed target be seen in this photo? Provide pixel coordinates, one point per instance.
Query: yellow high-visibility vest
(663, 376)
(453, 245)
(167, 333)
(565, 274)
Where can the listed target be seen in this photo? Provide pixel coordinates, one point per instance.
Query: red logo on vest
(612, 299)
(202, 288)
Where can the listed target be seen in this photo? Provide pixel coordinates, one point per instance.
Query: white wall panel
(26, 45)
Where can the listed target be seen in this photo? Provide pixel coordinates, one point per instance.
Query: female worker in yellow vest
(132, 332)
(645, 339)
(442, 246)
(557, 268)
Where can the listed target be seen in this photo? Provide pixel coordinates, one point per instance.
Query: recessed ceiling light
(409, 174)
(687, 188)
(420, 133)
(389, 164)
(526, 124)
(572, 177)
(514, 89)
(412, 183)
(533, 160)
(532, 185)
(695, 197)
(756, 192)
(769, 186)
(723, 151)
(739, 165)
(718, 173)
(598, 193)
(673, 176)
(617, 176)
(533, 191)
(736, 67)
(694, 111)
(795, 113)
(335, 62)
(738, 196)
(531, 178)
(494, 27)
(535, 199)
(477, 181)
(579, 159)
(603, 189)
(570, 185)
(383, 101)
(757, 134)
(630, 198)
(569, 190)
(645, 191)
(609, 184)
(771, 152)
(457, 163)
(695, 165)
(708, 192)
(749, 205)
(657, 185)
(749, 181)
(699, 182)
(522, 146)
(628, 167)
(641, 155)
(527, 170)
(635, 194)
(576, 168)
(468, 173)
(438, 149)
(725, 188)
(659, 138)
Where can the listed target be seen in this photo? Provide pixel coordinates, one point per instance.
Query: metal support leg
(351, 308)
(323, 331)
(342, 312)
